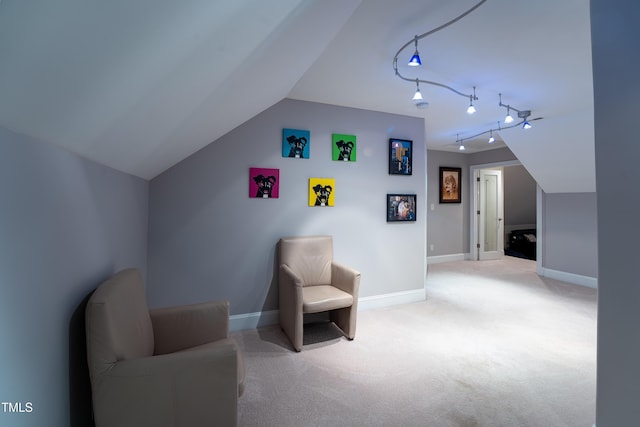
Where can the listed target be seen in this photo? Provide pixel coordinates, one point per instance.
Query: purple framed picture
(264, 183)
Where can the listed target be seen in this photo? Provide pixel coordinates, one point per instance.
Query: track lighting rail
(415, 61)
(491, 130)
(473, 96)
(522, 114)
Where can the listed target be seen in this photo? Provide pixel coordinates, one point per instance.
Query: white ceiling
(140, 85)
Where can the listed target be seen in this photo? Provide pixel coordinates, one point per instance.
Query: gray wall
(519, 196)
(570, 237)
(616, 66)
(209, 240)
(65, 224)
(491, 156)
(448, 223)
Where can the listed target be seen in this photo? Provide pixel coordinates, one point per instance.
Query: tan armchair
(311, 282)
(164, 367)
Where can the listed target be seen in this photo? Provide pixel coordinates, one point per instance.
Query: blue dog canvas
(295, 143)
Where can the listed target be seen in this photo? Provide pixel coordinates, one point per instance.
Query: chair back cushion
(310, 257)
(118, 323)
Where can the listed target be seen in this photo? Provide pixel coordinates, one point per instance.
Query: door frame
(473, 208)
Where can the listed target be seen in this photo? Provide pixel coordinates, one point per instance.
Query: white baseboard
(445, 258)
(239, 322)
(388, 300)
(576, 279)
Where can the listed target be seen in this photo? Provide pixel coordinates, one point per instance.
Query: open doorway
(504, 217)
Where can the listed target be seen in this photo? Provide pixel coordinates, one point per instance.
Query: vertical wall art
(450, 185)
(295, 143)
(321, 191)
(343, 147)
(400, 156)
(264, 183)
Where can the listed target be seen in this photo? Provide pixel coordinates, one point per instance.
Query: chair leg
(291, 324)
(344, 318)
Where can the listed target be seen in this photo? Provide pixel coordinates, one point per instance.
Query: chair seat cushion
(324, 297)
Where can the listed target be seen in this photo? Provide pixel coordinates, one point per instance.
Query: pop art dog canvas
(296, 143)
(343, 147)
(322, 191)
(264, 183)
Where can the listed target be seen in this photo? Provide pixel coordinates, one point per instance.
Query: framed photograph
(400, 156)
(450, 185)
(401, 207)
(264, 183)
(322, 191)
(296, 143)
(343, 147)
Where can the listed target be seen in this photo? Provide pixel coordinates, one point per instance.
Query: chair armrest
(289, 287)
(288, 277)
(345, 278)
(177, 389)
(181, 327)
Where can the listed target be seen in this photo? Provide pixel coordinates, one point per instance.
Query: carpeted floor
(493, 345)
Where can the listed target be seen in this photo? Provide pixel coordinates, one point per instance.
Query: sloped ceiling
(140, 85)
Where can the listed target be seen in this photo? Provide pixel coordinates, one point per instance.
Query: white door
(491, 214)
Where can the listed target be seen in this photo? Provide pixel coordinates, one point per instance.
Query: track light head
(472, 109)
(508, 118)
(415, 59)
(418, 95)
(523, 115)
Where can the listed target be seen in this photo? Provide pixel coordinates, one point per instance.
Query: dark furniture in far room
(522, 244)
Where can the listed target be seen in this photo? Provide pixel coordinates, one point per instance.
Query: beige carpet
(493, 345)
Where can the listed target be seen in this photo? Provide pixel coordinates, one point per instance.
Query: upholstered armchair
(164, 367)
(310, 281)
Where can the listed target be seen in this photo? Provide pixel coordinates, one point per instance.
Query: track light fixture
(471, 108)
(415, 60)
(417, 96)
(524, 122)
(522, 114)
(508, 119)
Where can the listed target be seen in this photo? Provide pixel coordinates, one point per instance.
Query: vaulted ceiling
(140, 85)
